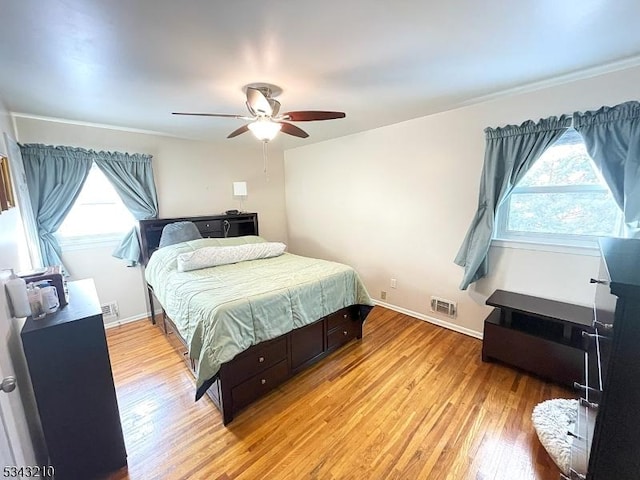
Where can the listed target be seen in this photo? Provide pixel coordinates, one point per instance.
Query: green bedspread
(221, 311)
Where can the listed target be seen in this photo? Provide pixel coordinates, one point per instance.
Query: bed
(244, 328)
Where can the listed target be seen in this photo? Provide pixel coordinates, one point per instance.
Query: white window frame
(90, 241)
(503, 237)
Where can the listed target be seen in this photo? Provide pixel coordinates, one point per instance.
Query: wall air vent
(443, 306)
(109, 310)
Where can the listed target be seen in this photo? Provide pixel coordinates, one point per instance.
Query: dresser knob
(344, 332)
(344, 316)
(261, 359)
(263, 381)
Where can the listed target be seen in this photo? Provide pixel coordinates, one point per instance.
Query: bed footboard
(261, 368)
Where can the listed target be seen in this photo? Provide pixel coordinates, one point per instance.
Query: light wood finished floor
(409, 401)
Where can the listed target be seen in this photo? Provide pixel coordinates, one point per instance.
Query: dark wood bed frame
(264, 366)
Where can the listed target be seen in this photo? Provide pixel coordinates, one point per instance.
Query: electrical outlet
(383, 295)
(394, 283)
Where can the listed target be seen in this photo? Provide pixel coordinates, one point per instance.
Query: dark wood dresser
(70, 370)
(607, 443)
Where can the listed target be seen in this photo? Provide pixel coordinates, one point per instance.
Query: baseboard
(395, 308)
(433, 320)
(124, 321)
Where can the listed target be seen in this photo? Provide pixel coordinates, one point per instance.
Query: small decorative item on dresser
(53, 275)
(16, 287)
(50, 301)
(35, 301)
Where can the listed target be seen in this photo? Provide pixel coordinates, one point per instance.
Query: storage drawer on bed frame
(257, 359)
(342, 326)
(343, 333)
(178, 344)
(341, 316)
(256, 386)
(263, 367)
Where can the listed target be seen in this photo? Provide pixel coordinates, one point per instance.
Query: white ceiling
(130, 63)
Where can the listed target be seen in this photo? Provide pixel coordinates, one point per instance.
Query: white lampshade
(240, 189)
(264, 129)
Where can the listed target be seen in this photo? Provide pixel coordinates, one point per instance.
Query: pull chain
(265, 157)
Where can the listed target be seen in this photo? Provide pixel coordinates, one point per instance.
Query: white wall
(396, 202)
(192, 178)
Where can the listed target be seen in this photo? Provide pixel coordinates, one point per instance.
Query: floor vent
(443, 306)
(109, 310)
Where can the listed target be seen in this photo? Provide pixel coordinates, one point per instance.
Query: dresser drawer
(256, 386)
(257, 359)
(337, 318)
(342, 333)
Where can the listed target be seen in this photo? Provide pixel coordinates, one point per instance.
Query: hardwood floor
(409, 401)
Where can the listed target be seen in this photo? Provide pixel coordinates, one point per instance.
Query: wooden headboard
(210, 226)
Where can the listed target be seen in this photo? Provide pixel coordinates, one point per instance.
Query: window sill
(90, 242)
(588, 250)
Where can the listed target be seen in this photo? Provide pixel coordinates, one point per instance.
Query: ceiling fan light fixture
(264, 129)
(265, 117)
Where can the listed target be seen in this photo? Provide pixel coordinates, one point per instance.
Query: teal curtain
(510, 152)
(55, 176)
(132, 177)
(612, 138)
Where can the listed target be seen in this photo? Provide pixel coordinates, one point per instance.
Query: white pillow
(214, 256)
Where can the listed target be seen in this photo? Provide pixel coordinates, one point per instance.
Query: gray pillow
(178, 232)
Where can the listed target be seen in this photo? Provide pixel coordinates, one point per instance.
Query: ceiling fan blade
(238, 131)
(312, 115)
(226, 115)
(291, 129)
(275, 106)
(257, 103)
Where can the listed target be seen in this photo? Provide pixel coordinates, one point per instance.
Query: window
(561, 200)
(97, 215)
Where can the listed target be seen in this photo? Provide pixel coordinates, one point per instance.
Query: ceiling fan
(265, 117)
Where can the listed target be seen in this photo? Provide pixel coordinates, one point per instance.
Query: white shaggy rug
(552, 419)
